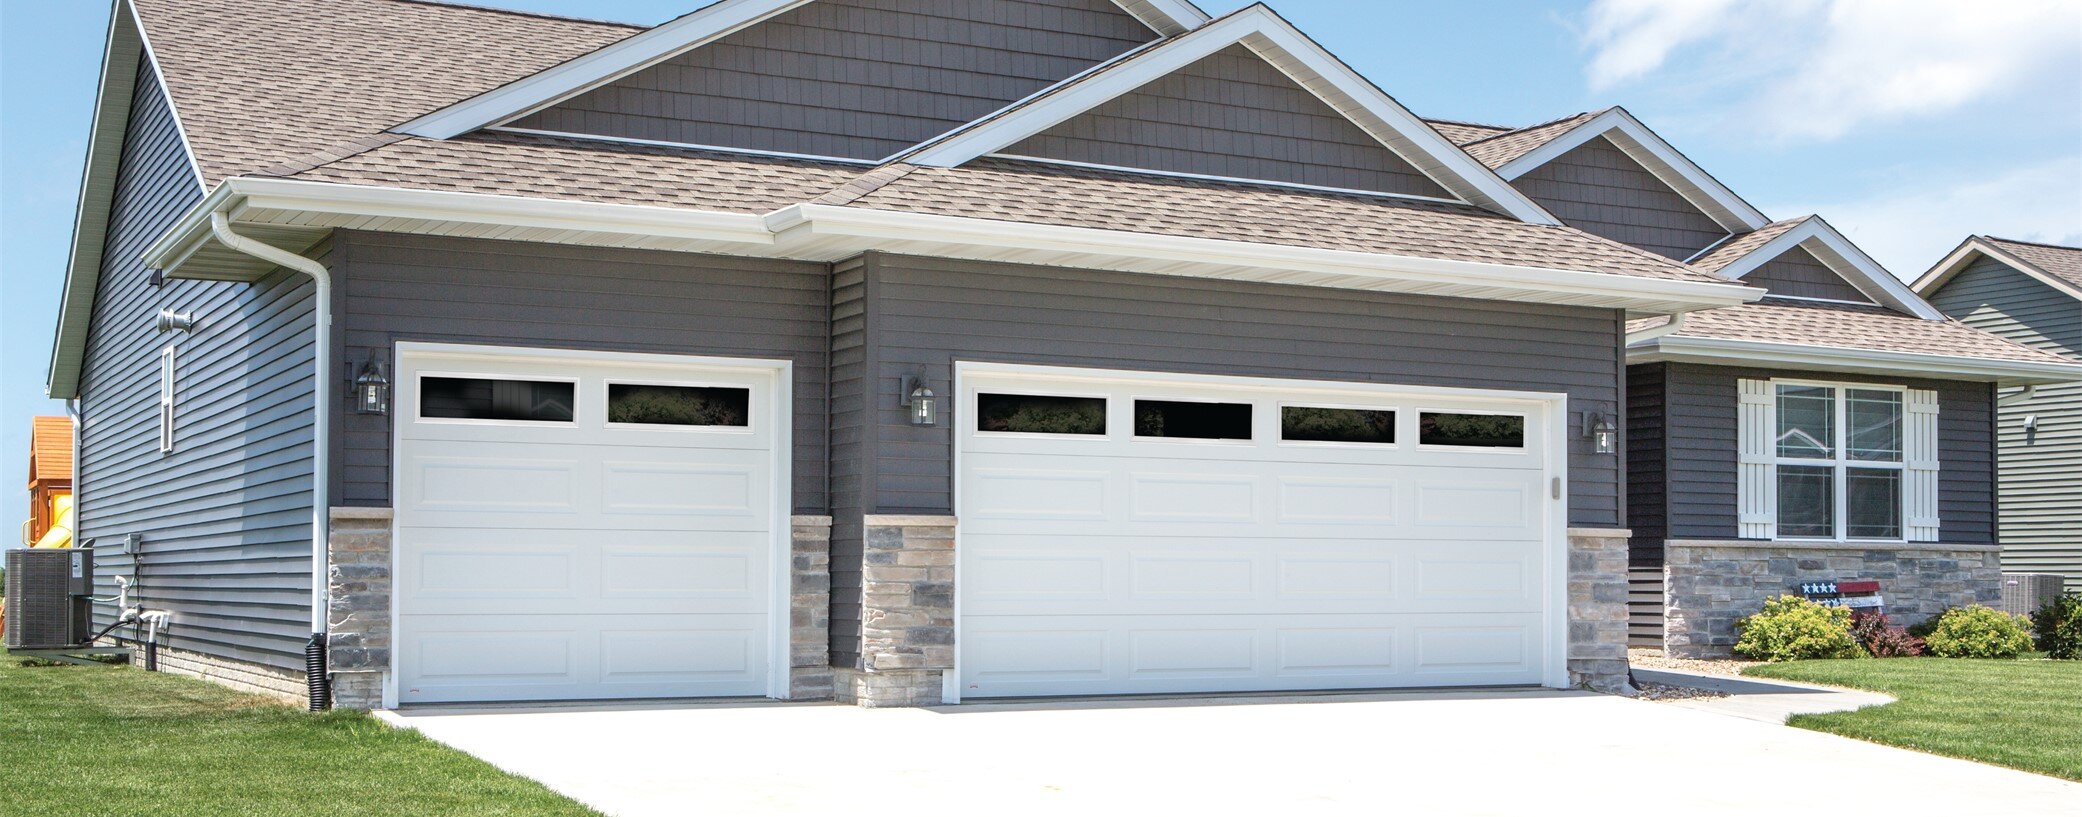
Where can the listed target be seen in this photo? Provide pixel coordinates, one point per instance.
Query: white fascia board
(579, 74)
(810, 222)
(1674, 168)
(1936, 278)
(1167, 17)
(1263, 31)
(1753, 354)
(1864, 273)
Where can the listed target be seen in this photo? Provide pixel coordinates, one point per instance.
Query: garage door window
(1041, 414)
(478, 398)
(1465, 430)
(683, 406)
(1175, 419)
(1323, 424)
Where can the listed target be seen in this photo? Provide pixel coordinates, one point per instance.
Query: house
(895, 351)
(2031, 294)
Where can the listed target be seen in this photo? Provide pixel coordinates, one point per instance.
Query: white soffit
(684, 33)
(1285, 48)
(1842, 257)
(1645, 147)
(1961, 258)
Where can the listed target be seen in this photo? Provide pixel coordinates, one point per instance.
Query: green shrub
(2059, 626)
(1923, 629)
(1791, 628)
(1974, 631)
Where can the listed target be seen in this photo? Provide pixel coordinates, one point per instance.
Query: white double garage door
(1119, 532)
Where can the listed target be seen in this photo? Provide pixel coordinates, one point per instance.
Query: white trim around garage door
(1553, 405)
(780, 580)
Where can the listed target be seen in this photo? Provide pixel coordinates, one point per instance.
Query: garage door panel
(640, 489)
(1019, 495)
(437, 484)
(1174, 497)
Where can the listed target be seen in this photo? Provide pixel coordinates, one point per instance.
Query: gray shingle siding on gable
(397, 287)
(1597, 188)
(859, 79)
(1697, 449)
(1797, 273)
(2040, 493)
(1231, 114)
(921, 315)
(226, 517)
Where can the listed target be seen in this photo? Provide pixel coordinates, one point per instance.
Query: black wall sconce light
(1603, 430)
(921, 403)
(371, 388)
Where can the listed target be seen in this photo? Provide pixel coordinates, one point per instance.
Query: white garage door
(583, 526)
(1124, 534)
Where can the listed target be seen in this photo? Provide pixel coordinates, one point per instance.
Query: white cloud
(1817, 69)
(1907, 228)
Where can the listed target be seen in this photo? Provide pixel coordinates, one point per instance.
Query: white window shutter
(1756, 491)
(1919, 483)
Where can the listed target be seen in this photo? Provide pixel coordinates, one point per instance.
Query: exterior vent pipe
(321, 437)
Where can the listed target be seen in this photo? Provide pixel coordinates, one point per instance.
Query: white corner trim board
(1665, 161)
(1842, 257)
(1724, 352)
(1287, 49)
(685, 33)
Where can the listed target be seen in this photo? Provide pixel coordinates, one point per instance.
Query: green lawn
(113, 740)
(2022, 714)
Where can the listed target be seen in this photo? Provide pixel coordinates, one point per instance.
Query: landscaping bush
(1923, 629)
(2059, 627)
(1880, 638)
(1791, 628)
(1974, 631)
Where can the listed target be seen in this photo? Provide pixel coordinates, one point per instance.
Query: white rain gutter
(321, 388)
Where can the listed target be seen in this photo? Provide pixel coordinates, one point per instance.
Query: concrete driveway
(1460, 753)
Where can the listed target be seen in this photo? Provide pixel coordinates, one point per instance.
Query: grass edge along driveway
(110, 740)
(2022, 714)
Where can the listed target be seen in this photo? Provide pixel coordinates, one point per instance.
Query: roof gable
(1520, 152)
(722, 20)
(2054, 265)
(1272, 38)
(1230, 115)
(1797, 273)
(1744, 254)
(851, 79)
(1600, 188)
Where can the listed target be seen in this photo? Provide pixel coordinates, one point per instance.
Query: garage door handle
(1557, 487)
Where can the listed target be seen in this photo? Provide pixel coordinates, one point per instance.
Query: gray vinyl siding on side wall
(1700, 407)
(398, 287)
(1231, 114)
(860, 79)
(1597, 188)
(2041, 492)
(1645, 430)
(1797, 273)
(226, 517)
(925, 314)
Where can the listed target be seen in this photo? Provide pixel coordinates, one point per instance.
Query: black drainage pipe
(315, 682)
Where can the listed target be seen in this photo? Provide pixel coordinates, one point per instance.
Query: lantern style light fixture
(1603, 431)
(371, 389)
(920, 401)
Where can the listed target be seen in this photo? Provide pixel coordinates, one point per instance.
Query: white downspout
(1676, 324)
(322, 389)
(2028, 393)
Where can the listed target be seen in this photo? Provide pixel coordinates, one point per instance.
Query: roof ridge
(541, 15)
(2047, 245)
(1548, 123)
(1468, 123)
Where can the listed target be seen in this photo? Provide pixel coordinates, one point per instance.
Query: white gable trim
(1644, 146)
(684, 33)
(1842, 257)
(1287, 49)
(1963, 257)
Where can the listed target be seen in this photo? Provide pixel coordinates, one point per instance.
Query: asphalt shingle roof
(1735, 248)
(2060, 262)
(1847, 326)
(1499, 149)
(1461, 133)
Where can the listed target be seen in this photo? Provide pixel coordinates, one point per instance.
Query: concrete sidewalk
(1770, 701)
(1511, 752)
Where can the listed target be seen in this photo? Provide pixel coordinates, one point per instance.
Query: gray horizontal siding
(1231, 114)
(226, 517)
(1799, 274)
(2041, 470)
(854, 78)
(1646, 465)
(398, 287)
(1700, 440)
(925, 314)
(851, 469)
(1597, 188)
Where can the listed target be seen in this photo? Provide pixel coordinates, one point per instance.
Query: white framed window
(1839, 462)
(166, 400)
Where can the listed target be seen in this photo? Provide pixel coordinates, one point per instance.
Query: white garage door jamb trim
(1555, 471)
(780, 575)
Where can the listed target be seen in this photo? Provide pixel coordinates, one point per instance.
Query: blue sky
(1908, 123)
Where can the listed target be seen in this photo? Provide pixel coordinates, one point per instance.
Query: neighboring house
(886, 350)
(2032, 294)
(1840, 428)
